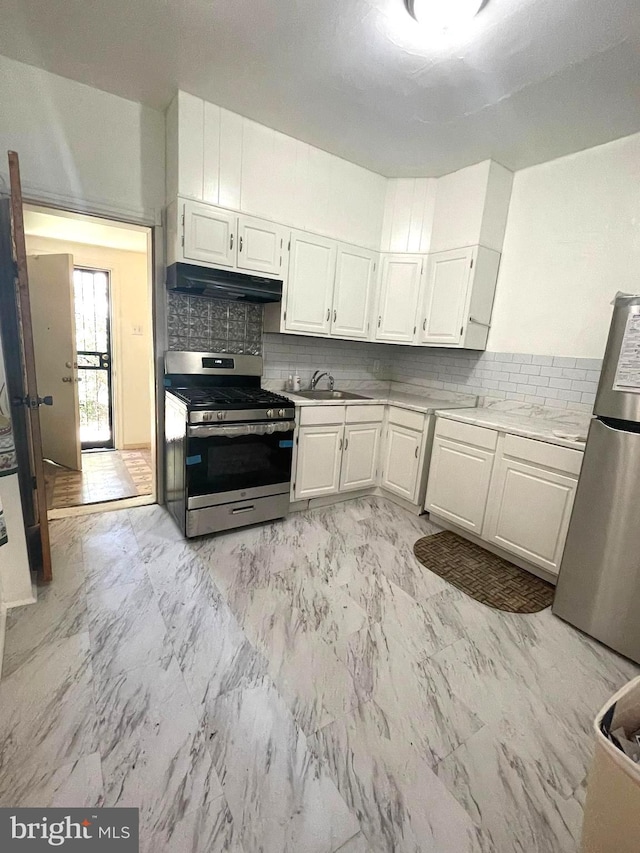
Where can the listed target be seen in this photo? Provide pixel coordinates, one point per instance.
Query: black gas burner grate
(225, 397)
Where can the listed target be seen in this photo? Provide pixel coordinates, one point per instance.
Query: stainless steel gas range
(228, 443)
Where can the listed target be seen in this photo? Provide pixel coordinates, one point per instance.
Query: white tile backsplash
(557, 381)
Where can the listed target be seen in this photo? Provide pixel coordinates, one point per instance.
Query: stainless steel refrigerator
(599, 583)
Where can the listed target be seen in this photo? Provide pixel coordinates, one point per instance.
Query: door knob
(67, 378)
(71, 364)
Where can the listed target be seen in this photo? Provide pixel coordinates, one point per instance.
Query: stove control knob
(270, 413)
(221, 416)
(281, 413)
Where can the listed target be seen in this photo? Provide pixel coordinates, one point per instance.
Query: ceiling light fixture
(443, 14)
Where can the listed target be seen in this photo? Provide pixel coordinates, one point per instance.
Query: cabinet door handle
(231, 241)
(424, 325)
(240, 243)
(335, 315)
(346, 443)
(379, 321)
(328, 314)
(340, 445)
(416, 454)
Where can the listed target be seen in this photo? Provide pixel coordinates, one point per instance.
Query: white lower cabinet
(459, 479)
(360, 456)
(529, 510)
(332, 456)
(401, 465)
(318, 461)
(518, 498)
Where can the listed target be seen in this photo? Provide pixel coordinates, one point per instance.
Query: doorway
(90, 290)
(92, 298)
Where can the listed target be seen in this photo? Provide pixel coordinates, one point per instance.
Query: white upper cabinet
(398, 298)
(260, 245)
(458, 298)
(352, 295)
(447, 285)
(209, 234)
(471, 207)
(312, 267)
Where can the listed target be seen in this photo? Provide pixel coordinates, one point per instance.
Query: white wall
(80, 146)
(132, 352)
(572, 241)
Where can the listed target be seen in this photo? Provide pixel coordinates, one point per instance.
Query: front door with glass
(93, 343)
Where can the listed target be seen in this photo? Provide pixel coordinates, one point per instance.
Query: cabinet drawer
(542, 453)
(313, 415)
(365, 414)
(467, 433)
(406, 418)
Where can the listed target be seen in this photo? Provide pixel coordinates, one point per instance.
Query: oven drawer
(238, 514)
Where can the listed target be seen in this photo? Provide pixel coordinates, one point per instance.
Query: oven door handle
(238, 430)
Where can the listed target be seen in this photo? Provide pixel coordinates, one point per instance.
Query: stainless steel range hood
(223, 284)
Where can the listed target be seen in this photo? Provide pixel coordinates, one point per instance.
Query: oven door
(230, 462)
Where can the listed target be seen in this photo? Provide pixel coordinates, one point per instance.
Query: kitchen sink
(330, 395)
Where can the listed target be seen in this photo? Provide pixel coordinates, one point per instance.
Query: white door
(312, 268)
(318, 465)
(54, 334)
(209, 234)
(401, 461)
(448, 281)
(398, 299)
(260, 245)
(359, 456)
(352, 293)
(529, 512)
(459, 477)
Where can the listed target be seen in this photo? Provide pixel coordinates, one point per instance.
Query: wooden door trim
(24, 305)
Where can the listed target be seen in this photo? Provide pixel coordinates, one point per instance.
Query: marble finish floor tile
(126, 629)
(400, 802)
(212, 650)
(303, 685)
(47, 717)
(61, 612)
(207, 830)
(280, 797)
(153, 747)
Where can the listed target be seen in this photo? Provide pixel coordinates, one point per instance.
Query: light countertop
(555, 426)
(426, 403)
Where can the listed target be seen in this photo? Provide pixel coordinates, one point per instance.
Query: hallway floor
(301, 686)
(107, 475)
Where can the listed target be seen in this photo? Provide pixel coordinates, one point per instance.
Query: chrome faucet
(317, 376)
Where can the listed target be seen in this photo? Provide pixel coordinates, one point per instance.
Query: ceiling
(526, 81)
(77, 228)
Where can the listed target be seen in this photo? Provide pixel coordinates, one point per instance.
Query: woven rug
(483, 575)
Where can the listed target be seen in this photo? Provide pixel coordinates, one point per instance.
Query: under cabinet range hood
(223, 284)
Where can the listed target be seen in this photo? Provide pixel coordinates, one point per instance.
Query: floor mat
(482, 575)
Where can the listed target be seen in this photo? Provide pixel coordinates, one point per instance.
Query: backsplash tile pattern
(347, 361)
(214, 325)
(557, 381)
(202, 324)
